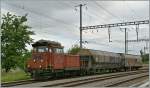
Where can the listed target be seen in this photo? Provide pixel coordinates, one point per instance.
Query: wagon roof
(92, 52)
(47, 43)
(132, 56)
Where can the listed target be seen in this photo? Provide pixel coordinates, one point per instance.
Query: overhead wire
(100, 6)
(111, 13)
(97, 16)
(86, 13)
(106, 10)
(132, 10)
(39, 15)
(92, 13)
(62, 21)
(43, 15)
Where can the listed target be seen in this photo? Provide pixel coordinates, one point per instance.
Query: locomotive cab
(39, 48)
(42, 56)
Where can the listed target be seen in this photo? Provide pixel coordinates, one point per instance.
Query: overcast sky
(59, 21)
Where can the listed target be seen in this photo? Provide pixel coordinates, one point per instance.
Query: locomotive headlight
(42, 60)
(28, 66)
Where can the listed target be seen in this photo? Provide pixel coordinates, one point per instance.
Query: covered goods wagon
(100, 60)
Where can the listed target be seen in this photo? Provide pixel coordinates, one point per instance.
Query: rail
(90, 80)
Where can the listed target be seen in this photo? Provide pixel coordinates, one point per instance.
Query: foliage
(14, 75)
(23, 60)
(74, 49)
(145, 57)
(15, 36)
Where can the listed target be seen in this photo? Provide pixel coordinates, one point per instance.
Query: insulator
(86, 41)
(75, 9)
(86, 8)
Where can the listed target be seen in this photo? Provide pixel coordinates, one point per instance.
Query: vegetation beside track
(15, 37)
(74, 49)
(145, 58)
(14, 75)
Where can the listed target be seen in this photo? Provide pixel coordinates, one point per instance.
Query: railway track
(9, 84)
(127, 80)
(141, 83)
(91, 80)
(31, 81)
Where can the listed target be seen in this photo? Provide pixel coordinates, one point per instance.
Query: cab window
(58, 50)
(42, 49)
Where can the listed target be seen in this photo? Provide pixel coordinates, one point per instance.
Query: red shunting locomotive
(49, 60)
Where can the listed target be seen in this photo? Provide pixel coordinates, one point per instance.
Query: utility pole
(137, 30)
(127, 43)
(109, 34)
(146, 47)
(80, 5)
(125, 40)
(81, 26)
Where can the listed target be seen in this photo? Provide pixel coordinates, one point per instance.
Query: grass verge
(14, 76)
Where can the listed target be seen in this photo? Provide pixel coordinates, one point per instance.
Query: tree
(23, 60)
(145, 57)
(142, 55)
(15, 36)
(74, 49)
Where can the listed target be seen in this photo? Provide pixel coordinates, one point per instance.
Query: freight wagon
(99, 61)
(48, 60)
(131, 62)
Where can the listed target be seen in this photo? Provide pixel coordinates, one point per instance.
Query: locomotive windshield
(42, 49)
(47, 46)
(46, 49)
(58, 50)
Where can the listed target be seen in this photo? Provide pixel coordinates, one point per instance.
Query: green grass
(14, 76)
(146, 62)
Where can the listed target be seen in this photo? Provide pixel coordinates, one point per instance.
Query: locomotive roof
(96, 52)
(47, 43)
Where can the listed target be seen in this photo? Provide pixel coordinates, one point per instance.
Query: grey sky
(59, 21)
